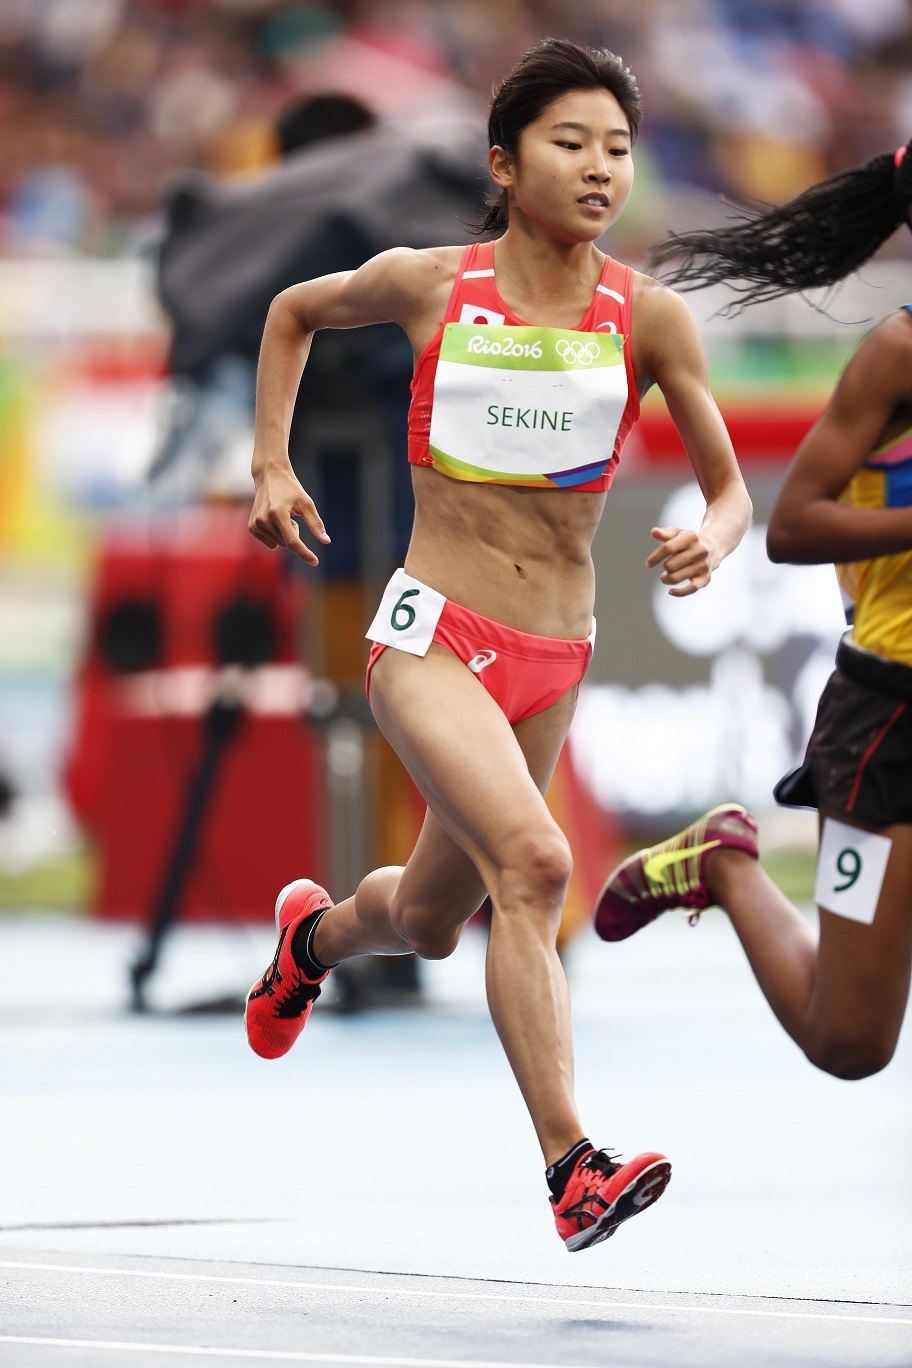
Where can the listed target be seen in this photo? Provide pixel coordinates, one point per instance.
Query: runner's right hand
(278, 501)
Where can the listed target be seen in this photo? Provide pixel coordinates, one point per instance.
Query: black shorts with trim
(859, 758)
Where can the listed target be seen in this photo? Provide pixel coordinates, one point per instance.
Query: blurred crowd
(102, 100)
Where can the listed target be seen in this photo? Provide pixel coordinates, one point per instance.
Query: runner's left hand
(687, 559)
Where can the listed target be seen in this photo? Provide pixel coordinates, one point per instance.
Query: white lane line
(604, 1305)
(282, 1356)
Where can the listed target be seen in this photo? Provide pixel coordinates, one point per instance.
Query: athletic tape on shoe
(850, 870)
(408, 615)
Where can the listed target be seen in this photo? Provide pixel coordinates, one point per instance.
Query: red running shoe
(672, 873)
(603, 1192)
(280, 1003)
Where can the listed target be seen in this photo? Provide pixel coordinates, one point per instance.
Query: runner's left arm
(673, 358)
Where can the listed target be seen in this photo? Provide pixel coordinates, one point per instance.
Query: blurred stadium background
(181, 724)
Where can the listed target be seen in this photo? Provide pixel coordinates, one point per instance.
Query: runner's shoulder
(881, 367)
(661, 321)
(414, 270)
(403, 276)
(893, 334)
(656, 302)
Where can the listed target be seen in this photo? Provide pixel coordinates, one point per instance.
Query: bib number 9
(850, 870)
(403, 614)
(848, 864)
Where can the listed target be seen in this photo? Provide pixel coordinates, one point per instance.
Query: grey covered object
(229, 247)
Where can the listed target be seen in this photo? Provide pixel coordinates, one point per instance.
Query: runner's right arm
(380, 291)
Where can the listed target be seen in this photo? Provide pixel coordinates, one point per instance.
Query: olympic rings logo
(577, 353)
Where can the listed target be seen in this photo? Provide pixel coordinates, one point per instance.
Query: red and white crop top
(501, 401)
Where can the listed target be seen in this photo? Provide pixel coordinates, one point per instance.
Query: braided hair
(814, 240)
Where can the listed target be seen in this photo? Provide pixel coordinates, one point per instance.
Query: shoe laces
(298, 995)
(288, 1000)
(603, 1161)
(597, 1164)
(273, 975)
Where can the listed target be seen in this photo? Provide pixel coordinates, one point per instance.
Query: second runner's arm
(808, 524)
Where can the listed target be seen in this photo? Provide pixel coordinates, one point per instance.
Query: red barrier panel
(765, 435)
(140, 732)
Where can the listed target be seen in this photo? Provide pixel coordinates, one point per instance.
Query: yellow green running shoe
(672, 873)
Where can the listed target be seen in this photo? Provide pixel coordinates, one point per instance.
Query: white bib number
(850, 870)
(526, 405)
(408, 615)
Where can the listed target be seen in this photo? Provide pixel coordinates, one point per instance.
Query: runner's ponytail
(814, 240)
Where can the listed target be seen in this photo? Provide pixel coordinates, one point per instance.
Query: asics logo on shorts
(481, 661)
(578, 353)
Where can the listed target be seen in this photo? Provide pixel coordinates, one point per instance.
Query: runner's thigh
(863, 972)
(481, 780)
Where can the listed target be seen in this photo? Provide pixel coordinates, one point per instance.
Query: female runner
(532, 352)
(847, 497)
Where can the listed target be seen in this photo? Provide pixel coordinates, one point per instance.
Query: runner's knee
(435, 947)
(424, 927)
(534, 873)
(849, 1057)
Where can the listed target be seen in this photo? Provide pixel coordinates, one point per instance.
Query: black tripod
(244, 637)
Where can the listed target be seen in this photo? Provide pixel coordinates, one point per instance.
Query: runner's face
(574, 169)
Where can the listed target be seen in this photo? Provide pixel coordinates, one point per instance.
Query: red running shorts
(524, 674)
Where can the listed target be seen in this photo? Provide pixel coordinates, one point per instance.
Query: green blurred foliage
(63, 884)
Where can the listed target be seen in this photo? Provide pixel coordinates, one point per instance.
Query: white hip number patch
(408, 615)
(850, 870)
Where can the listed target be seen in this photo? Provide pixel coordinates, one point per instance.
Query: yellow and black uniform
(881, 588)
(859, 757)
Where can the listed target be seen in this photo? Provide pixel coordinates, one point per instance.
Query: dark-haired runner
(847, 497)
(532, 352)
